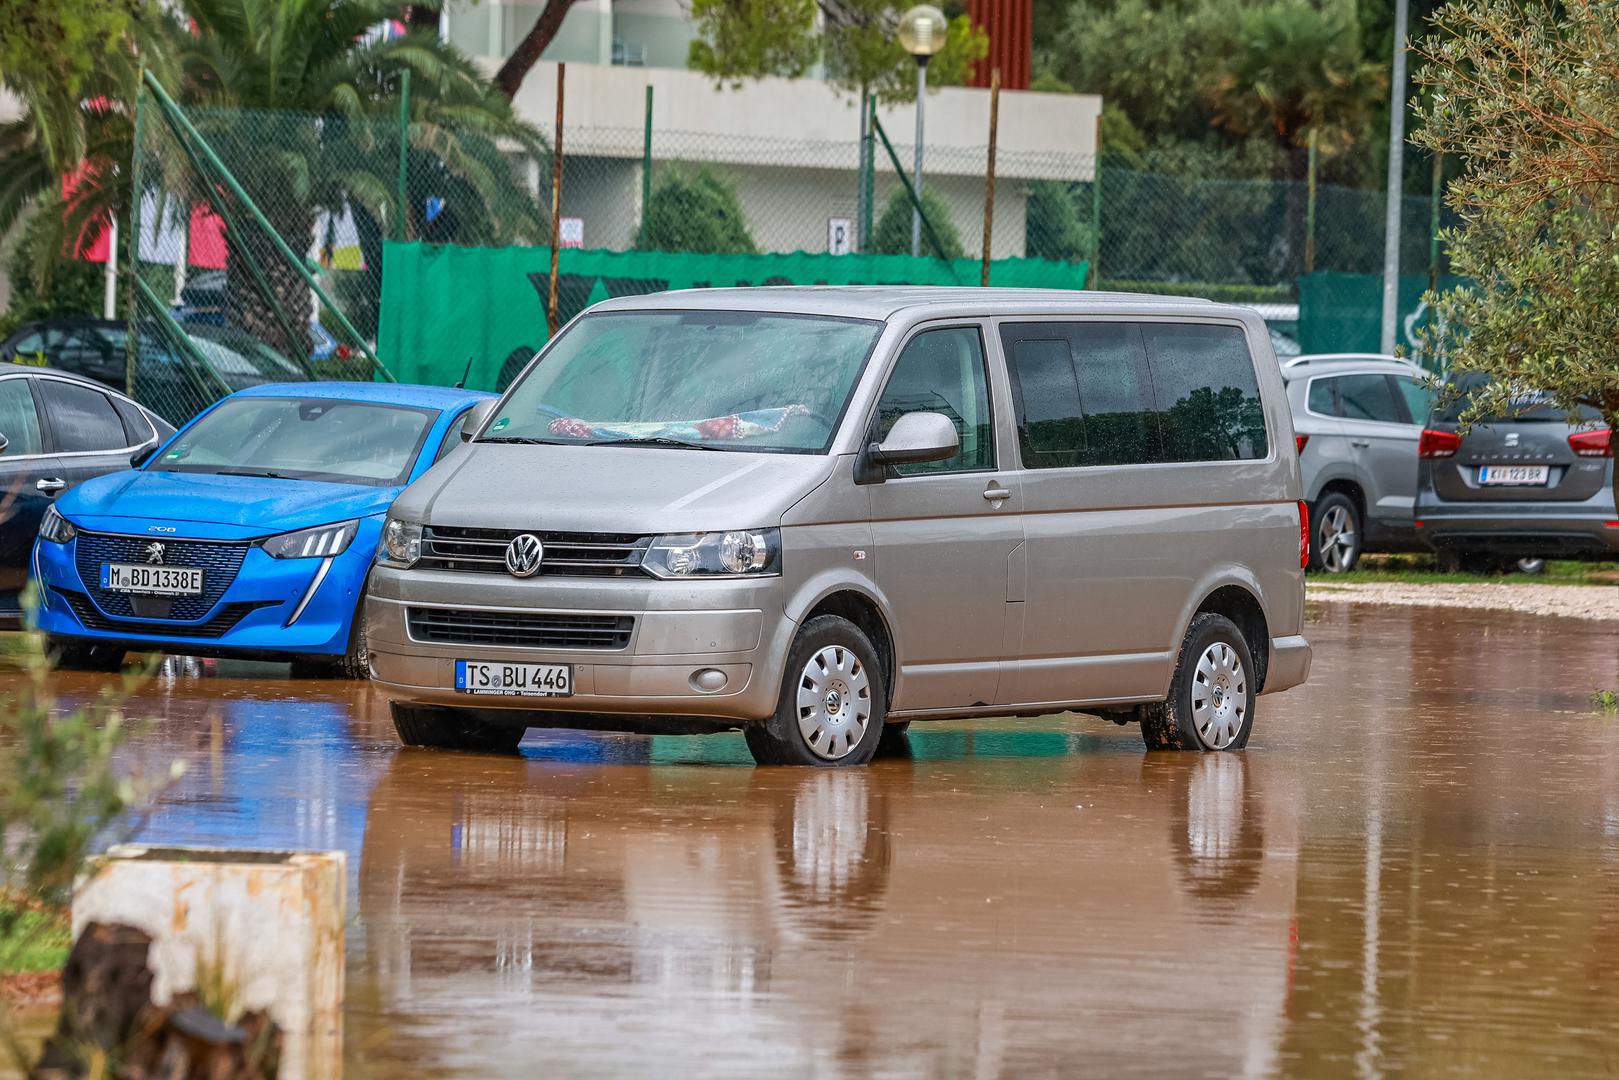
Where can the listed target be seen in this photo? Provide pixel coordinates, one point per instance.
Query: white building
(790, 147)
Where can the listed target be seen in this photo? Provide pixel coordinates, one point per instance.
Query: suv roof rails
(1347, 357)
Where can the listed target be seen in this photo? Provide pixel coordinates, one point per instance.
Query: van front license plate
(513, 680)
(1514, 475)
(148, 580)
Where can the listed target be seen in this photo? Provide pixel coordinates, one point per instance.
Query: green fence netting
(1343, 312)
(445, 306)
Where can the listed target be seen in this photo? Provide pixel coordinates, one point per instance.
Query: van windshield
(715, 380)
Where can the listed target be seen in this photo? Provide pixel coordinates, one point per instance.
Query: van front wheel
(1211, 695)
(441, 728)
(832, 704)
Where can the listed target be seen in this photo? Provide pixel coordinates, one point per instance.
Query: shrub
(694, 210)
(892, 233)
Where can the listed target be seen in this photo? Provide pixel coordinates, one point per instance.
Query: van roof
(885, 301)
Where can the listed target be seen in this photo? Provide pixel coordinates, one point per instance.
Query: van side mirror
(915, 438)
(476, 417)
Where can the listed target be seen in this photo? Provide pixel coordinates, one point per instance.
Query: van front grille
(567, 554)
(519, 629)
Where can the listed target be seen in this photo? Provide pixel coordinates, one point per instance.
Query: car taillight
(1304, 535)
(1300, 440)
(1438, 444)
(1592, 443)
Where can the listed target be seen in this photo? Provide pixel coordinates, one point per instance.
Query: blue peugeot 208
(249, 533)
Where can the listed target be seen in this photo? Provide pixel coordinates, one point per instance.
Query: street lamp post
(922, 33)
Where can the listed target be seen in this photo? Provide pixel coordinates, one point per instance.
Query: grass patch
(1422, 570)
(1606, 702)
(32, 937)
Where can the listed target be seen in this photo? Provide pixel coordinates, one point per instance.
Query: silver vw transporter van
(818, 514)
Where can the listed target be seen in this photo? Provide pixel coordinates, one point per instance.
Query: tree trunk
(247, 308)
(523, 58)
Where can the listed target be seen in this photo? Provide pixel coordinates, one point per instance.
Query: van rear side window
(1114, 393)
(1206, 391)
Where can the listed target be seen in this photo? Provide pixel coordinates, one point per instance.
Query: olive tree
(1526, 94)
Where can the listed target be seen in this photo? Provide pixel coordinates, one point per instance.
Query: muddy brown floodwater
(1414, 868)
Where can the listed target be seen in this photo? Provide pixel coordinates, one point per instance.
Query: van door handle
(1360, 444)
(995, 493)
(50, 485)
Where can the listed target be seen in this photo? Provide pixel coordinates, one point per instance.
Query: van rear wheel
(440, 728)
(832, 703)
(1211, 695)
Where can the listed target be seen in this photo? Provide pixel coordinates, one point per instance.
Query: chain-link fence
(262, 237)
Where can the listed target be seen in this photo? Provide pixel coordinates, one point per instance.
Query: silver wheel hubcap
(1338, 540)
(1219, 696)
(834, 702)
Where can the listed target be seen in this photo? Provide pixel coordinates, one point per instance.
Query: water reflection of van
(699, 921)
(808, 513)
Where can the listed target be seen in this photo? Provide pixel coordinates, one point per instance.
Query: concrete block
(271, 921)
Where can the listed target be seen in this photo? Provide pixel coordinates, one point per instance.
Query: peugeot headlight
(743, 553)
(56, 528)
(323, 541)
(401, 543)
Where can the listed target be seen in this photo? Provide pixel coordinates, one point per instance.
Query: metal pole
(131, 338)
(989, 174)
(869, 190)
(556, 205)
(905, 182)
(1309, 210)
(1435, 198)
(1391, 224)
(401, 230)
(916, 170)
(646, 157)
(1096, 207)
(109, 278)
(860, 177)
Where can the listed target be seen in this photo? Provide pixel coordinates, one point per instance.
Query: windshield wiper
(253, 472)
(525, 440)
(654, 440)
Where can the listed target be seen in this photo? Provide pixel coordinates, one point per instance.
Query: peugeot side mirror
(143, 454)
(915, 438)
(476, 417)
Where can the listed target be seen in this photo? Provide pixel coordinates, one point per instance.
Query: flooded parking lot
(1414, 867)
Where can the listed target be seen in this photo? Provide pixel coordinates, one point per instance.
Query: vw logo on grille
(523, 555)
(153, 553)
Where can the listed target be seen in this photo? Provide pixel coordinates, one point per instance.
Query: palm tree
(300, 101)
(322, 136)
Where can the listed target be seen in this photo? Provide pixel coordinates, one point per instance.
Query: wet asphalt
(1413, 869)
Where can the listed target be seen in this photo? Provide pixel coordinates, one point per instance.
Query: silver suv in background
(1537, 484)
(813, 513)
(1357, 418)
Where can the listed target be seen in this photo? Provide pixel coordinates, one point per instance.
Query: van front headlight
(401, 544)
(738, 553)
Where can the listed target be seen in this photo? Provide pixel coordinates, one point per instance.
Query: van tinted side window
(1082, 394)
(1206, 393)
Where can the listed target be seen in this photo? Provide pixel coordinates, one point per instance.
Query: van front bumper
(677, 629)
